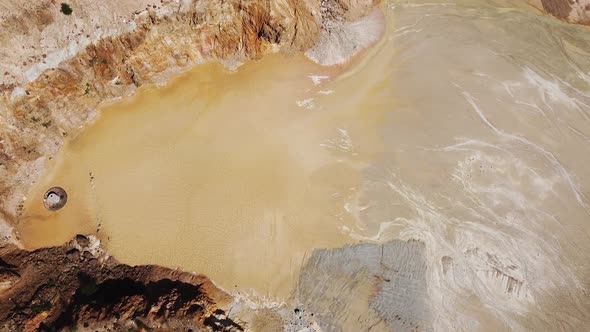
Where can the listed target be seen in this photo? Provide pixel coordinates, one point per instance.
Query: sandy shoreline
(472, 215)
(38, 116)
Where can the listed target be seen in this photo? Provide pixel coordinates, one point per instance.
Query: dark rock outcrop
(76, 285)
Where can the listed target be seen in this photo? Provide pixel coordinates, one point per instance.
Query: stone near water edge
(55, 198)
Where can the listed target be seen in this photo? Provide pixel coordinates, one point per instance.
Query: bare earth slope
(56, 70)
(77, 285)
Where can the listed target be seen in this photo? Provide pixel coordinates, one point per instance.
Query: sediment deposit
(59, 68)
(461, 140)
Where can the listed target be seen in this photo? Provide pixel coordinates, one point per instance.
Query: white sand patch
(343, 40)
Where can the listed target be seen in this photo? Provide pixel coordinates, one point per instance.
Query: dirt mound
(77, 285)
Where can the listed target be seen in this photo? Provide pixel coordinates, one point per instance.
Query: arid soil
(41, 105)
(56, 70)
(574, 11)
(76, 285)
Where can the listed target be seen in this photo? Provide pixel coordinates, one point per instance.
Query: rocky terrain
(52, 84)
(78, 285)
(59, 63)
(58, 66)
(573, 11)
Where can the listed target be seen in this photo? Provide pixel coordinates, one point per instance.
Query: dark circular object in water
(55, 198)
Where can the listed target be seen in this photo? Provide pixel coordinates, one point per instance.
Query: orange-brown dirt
(37, 116)
(42, 105)
(73, 286)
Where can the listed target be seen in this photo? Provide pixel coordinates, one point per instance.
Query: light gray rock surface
(367, 287)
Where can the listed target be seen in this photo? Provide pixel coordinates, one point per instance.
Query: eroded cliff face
(574, 11)
(56, 70)
(43, 104)
(55, 91)
(78, 285)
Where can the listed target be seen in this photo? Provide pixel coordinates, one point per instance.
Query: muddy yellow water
(237, 175)
(466, 128)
